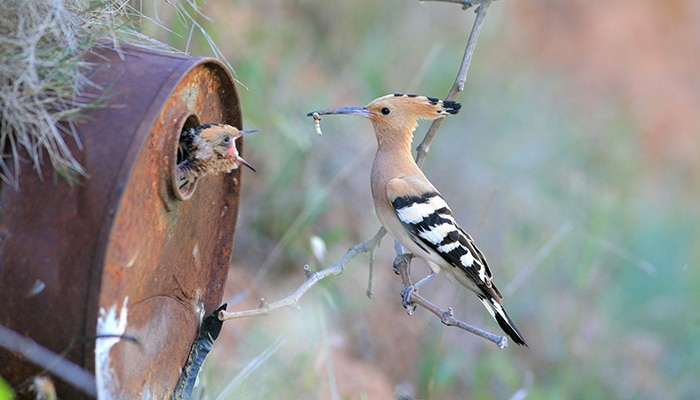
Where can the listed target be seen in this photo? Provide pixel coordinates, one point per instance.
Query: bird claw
(406, 301)
(408, 291)
(404, 258)
(447, 316)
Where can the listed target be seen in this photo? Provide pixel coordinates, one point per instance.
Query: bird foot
(408, 291)
(406, 301)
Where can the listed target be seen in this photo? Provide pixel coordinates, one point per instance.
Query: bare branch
(52, 362)
(465, 3)
(402, 262)
(401, 265)
(312, 277)
(377, 238)
(542, 253)
(458, 86)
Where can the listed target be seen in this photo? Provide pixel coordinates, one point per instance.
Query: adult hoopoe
(209, 149)
(412, 209)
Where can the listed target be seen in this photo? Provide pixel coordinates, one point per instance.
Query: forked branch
(401, 266)
(402, 261)
(312, 277)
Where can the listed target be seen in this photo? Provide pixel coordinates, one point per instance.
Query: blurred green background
(574, 164)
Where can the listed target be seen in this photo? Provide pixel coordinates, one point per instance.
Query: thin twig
(312, 277)
(622, 253)
(542, 253)
(376, 239)
(308, 210)
(402, 263)
(52, 362)
(465, 3)
(458, 86)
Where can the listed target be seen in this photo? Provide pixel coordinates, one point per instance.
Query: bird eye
(226, 139)
(385, 111)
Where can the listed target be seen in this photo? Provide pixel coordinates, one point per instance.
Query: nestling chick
(412, 209)
(209, 149)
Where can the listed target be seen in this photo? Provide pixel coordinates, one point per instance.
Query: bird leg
(402, 264)
(402, 258)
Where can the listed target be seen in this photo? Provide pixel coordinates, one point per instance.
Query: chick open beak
(233, 151)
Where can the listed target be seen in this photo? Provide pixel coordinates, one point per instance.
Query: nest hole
(183, 188)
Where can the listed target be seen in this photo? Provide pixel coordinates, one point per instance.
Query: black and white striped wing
(431, 224)
(432, 227)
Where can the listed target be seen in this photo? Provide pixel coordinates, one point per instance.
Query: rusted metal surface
(123, 233)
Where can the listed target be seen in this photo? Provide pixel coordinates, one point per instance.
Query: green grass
(5, 390)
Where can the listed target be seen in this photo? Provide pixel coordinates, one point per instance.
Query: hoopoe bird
(207, 150)
(412, 209)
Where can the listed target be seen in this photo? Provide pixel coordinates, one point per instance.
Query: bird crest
(423, 107)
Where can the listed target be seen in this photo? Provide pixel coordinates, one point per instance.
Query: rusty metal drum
(123, 247)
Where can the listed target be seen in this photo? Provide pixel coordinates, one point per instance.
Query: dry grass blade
(42, 72)
(41, 47)
(250, 368)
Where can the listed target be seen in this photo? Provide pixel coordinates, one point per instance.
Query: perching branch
(312, 277)
(458, 86)
(402, 261)
(401, 266)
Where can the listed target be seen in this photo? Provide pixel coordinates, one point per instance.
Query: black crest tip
(452, 107)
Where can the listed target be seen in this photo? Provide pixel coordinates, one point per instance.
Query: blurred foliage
(5, 390)
(590, 233)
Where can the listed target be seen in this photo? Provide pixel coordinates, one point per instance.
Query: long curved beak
(362, 111)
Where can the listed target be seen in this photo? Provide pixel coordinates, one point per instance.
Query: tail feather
(498, 313)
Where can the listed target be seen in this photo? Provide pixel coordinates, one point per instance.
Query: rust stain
(123, 232)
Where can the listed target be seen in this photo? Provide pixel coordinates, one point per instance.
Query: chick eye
(226, 140)
(385, 111)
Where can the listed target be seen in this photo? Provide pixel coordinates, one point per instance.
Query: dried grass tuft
(42, 48)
